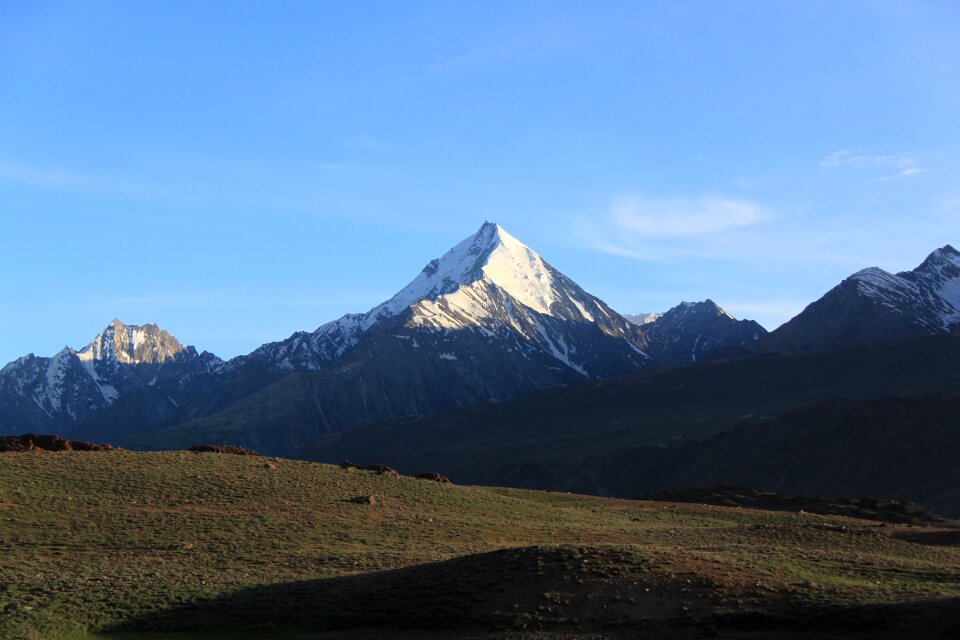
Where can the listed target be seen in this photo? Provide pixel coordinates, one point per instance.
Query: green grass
(91, 541)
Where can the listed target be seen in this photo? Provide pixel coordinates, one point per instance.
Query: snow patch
(642, 318)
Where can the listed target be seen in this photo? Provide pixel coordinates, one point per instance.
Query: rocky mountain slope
(870, 420)
(692, 330)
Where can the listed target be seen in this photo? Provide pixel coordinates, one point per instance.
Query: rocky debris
(32, 442)
(896, 511)
(436, 477)
(364, 500)
(222, 448)
(381, 469)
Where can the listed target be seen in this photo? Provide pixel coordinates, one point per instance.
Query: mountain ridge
(874, 305)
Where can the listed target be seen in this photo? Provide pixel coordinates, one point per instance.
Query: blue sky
(237, 171)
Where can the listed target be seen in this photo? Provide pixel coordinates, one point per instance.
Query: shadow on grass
(936, 537)
(552, 590)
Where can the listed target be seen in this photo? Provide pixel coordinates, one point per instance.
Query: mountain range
(488, 322)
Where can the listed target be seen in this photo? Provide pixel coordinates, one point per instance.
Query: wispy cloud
(632, 224)
(906, 173)
(906, 166)
(685, 217)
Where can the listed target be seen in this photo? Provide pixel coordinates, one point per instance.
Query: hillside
(877, 420)
(155, 543)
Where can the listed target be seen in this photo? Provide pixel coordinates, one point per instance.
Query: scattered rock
(379, 468)
(222, 448)
(436, 477)
(32, 442)
(364, 500)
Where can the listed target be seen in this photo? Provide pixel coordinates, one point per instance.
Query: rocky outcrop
(222, 448)
(434, 476)
(31, 442)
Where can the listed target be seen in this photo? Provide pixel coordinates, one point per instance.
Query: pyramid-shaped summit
(489, 279)
(491, 285)
(492, 255)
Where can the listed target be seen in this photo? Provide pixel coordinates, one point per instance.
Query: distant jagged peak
(132, 344)
(706, 307)
(946, 253)
(938, 269)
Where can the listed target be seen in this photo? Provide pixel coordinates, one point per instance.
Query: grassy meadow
(184, 545)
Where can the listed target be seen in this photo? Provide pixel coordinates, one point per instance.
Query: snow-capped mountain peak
(641, 319)
(491, 254)
(489, 283)
(940, 272)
